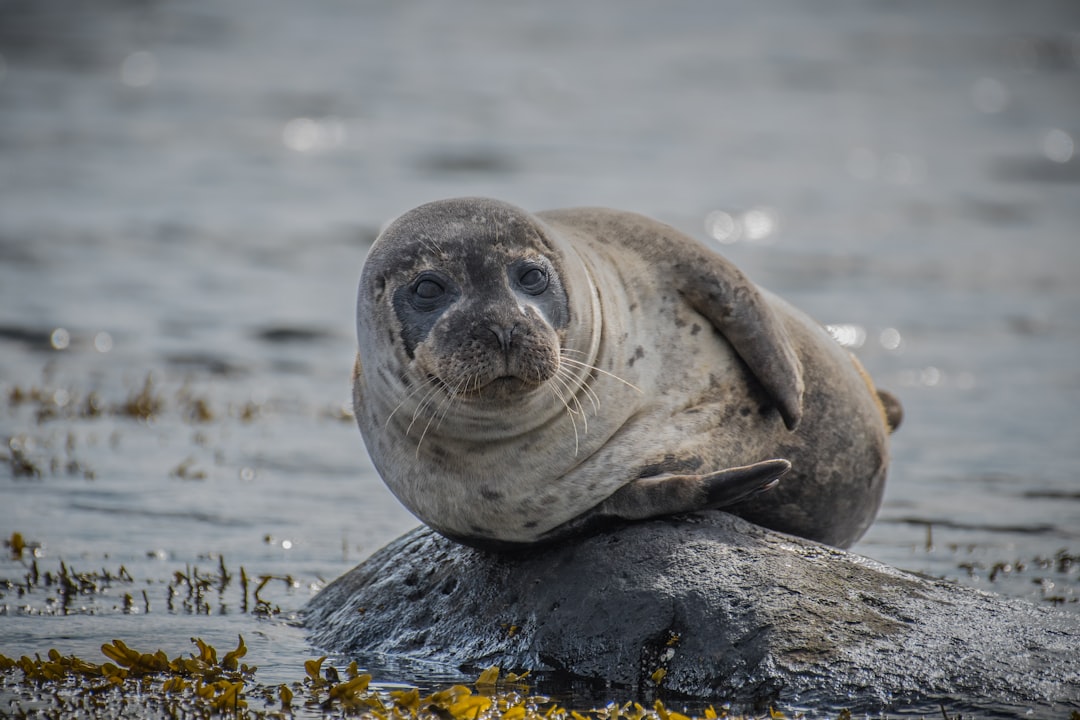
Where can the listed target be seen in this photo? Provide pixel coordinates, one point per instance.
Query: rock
(728, 610)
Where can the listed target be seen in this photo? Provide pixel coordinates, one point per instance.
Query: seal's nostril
(503, 336)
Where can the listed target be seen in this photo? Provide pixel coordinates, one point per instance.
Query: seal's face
(472, 299)
(482, 323)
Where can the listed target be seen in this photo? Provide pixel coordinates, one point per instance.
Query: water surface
(188, 189)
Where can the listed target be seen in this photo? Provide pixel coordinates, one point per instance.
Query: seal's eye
(533, 280)
(427, 292)
(428, 289)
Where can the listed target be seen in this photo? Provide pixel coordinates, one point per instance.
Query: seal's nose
(504, 336)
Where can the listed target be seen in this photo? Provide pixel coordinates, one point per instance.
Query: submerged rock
(705, 606)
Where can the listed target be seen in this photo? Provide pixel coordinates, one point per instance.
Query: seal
(524, 377)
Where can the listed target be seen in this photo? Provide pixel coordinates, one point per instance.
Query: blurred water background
(188, 188)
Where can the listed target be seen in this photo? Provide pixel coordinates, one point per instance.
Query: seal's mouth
(501, 388)
(504, 386)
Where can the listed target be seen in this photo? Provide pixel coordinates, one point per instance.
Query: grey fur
(642, 381)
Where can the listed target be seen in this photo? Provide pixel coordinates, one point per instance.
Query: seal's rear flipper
(670, 494)
(894, 411)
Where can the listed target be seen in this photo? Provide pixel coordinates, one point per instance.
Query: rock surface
(727, 610)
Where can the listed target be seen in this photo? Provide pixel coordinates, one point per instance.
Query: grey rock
(730, 611)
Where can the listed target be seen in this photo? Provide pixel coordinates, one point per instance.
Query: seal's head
(468, 298)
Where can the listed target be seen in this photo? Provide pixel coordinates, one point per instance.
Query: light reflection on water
(756, 225)
(1058, 145)
(849, 335)
(191, 193)
(304, 134)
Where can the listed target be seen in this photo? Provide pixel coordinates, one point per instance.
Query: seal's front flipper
(742, 314)
(669, 494)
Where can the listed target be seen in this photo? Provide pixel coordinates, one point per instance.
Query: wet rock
(706, 606)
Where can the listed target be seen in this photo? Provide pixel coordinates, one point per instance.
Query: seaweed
(206, 683)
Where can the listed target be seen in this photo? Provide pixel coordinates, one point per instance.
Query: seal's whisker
(431, 246)
(587, 366)
(569, 405)
(573, 351)
(565, 380)
(570, 414)
(444, 405)
(426, 401)
(436, 383)
(444, 408)
(594, 399)
(428, 387)
(408, 396)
